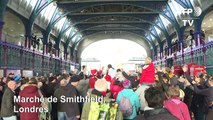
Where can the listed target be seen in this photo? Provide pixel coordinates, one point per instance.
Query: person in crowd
(68, 110)
(99, 87)
(134, 83)
(128, 93)
(83, 86)
(100, 73)
(208, 96)
(84, 73)
(93, 78)
(7, 110)
(52, 87)
(45, 87)
(116, 84)
(155, 98)
(29, 90)
(117, 75)
(2, 88)
(10, 76)
(111, 71)
(148, 72)
(74, 80)
(197, 107)
(173, 104)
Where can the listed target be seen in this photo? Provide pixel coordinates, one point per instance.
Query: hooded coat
(177, 108)
(134, 100)
(29, 91)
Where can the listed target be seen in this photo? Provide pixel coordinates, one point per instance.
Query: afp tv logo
(190, 15)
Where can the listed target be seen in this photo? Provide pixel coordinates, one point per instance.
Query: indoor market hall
(106, 59)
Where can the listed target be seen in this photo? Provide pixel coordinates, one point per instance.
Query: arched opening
(118, 52)
(207, 27)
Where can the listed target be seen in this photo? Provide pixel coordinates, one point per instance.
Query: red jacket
(115, 89)
(177, 108)
(29, 91)
(148, 74)
(92, 81)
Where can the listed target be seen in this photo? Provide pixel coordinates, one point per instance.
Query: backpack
(125, 106)
(103, 111)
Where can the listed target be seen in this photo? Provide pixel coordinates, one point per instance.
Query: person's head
(173, 92)
(154, 97)
(24, 81)
(109, 66)
(200, 79)
(211, 81)
(74, 80)
(101, 85)
(117, 72)
(4, 79)
(120, 77)
(156, 77)
(148, 60)
(63, 82)
(12, 85)
(66, 77)
(33, 81)
(52, 79)
(11, 75)
(84, 68)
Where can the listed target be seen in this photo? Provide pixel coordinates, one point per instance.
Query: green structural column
(197, 32)
(1, 29)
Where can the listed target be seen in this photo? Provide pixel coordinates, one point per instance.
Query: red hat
(93, 72)
(108, 78)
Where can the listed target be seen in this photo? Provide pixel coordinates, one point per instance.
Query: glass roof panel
(68, 32)
(32, 3)
(50, 10)
(60, 23)
(158, 31)
(176, 8)
(165, 21)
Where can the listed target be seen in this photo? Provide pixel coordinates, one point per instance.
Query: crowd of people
(154, 94)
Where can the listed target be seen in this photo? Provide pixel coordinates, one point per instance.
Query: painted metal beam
(160, 7)
(88, 27)
(3, 5)
(83, 17)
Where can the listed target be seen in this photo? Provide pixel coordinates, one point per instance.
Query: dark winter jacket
(7, 104)
(156, 114)
(70, 107)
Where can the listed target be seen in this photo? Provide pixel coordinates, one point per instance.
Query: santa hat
(108, 78)
(101, 85)
(94, 72)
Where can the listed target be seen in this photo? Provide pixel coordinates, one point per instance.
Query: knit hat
(17, 78)
(74, 78)
(126, 84)
(101, 85)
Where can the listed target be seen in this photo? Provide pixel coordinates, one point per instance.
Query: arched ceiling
(95, 17)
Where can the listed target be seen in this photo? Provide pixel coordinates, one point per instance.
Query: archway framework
(81, 12)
